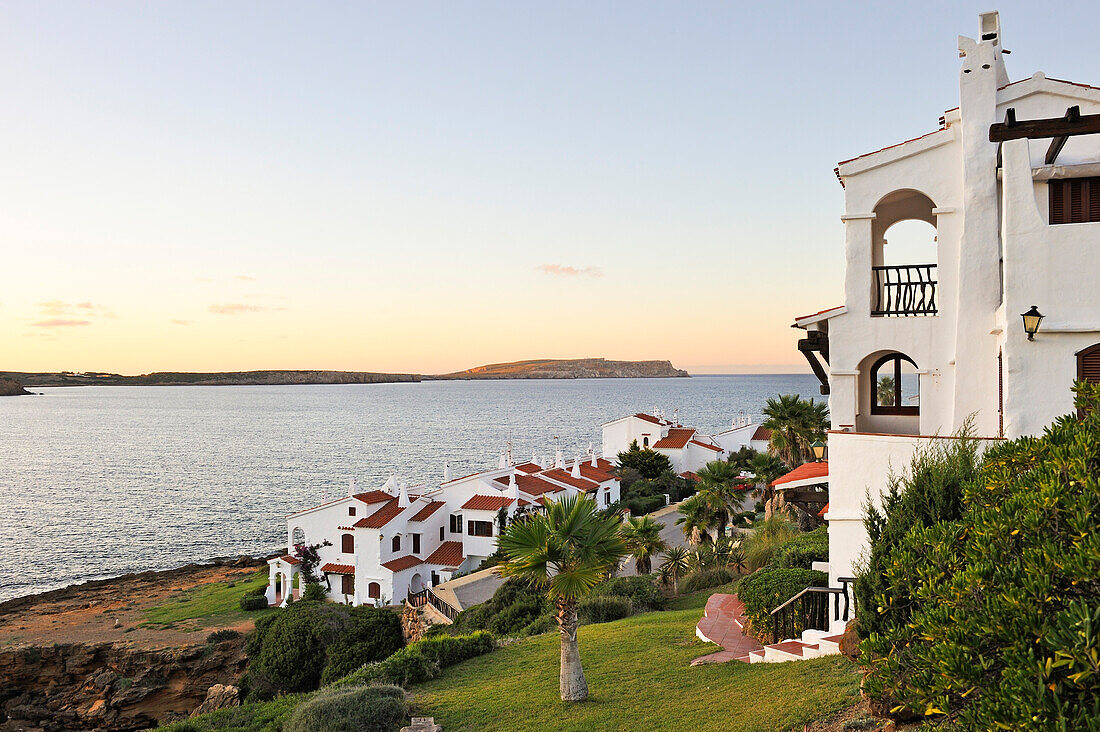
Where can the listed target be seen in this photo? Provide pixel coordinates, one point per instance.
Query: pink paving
(723, 623)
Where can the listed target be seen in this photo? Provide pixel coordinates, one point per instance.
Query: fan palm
(716, 481)
(766, 468)
(677, 562)
(696, 519)
(643, 539)
(795, 424)
(566, 550)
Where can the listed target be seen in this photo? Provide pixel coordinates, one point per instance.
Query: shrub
(261, 590)
(704, 578)
(315, 592)
(513, 606)
(514, 618)
(544, 624)
(290, 652)
(766, 538)
(804, 549)
(363, 708)
(642, 591)
(1001, 604)
(223, 635)
(422, 660)
(604, 608)
(767, 589)
(253, 602)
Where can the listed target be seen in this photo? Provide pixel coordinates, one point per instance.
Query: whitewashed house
(687, 448)
(1009, 187)
(388, 543)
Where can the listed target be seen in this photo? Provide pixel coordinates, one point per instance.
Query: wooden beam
(1085, 124)
(1072, 115)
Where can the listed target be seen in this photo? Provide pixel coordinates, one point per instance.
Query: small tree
(643, 540)
(309, 557)
(677, 563)
(650, 464)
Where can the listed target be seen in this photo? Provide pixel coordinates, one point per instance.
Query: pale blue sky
(376, 185)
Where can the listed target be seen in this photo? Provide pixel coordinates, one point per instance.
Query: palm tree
(643, 538)
(795, 424)
(716, 481)
(766, 468)
(737, 557)
(885, 392)
(696, 519)
(677, 561)
(566, 550)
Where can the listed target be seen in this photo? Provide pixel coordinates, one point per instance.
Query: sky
(428, 186)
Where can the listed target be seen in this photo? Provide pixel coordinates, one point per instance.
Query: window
(347, 584)
(416, 543)
(374, 590)
(1074, 200)
(481, 528)
(1088, 367)
(607, 497)
(456, 524)
(396, 543)
(645, 442)
(347, 544)
(441, 533)
(351, 510)
(895, 386)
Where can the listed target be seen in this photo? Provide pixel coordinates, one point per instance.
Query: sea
(99, 481)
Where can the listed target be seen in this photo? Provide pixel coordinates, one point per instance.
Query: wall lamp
(819, 448)
(1032, 318)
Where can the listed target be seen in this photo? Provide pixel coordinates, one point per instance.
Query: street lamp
(819, 448)
(1032, 318)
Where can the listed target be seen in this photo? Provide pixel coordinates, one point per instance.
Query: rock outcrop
(578, 368)
(219, 696)
(105, 686)
(11, 387)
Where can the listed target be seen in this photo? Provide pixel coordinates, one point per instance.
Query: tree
(643, 540)
(766, 468)
(741, 459)
(885, 392)
(795, 424)
(716, 487)
(566, 551)
(650, 464)
(677, 562)
(309, 558)
(696, 519)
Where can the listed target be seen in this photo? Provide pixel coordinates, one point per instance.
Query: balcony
(904, 290)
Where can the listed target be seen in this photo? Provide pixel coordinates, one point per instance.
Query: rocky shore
(11, 387)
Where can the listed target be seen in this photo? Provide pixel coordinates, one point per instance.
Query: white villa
(388, 543)
(687, 448)
(1009, 187)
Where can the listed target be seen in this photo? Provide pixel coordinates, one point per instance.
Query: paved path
(723, 623)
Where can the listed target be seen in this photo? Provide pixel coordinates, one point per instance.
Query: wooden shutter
(347, 584)
(347, 544)
(1074, 200)
(1088, 367)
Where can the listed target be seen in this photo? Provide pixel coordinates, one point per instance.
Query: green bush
(704, 578)
(421, 661)
(512, 607)
(767, 589)
(315, 592)
(766, 538)
(261, 590)
(544, 624)
(253, 602)
(290, 650)
(514, 618)
(223, 635)
(356, 709)
(804, 549)
(1001, 606)
(604, 608)
(642, 591)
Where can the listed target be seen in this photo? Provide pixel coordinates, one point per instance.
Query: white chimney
(513, 487)
(535, 459)
(351, 487)
(446, 472)
(577, 468)
(403, 496)
(391, 484)
(559, 459)
(595, 464)
(503, 461)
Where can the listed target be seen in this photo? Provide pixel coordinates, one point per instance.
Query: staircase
(438, 609)
(808, 612)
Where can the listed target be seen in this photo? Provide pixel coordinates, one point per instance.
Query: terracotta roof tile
(333, 568)
(803, 472)
(396, 565)
(597, 474)
(689, 475)
(374, 496)
(449, 554)
(290, 560)
(428, 510)
(528, 468)
(677, 438)
(486, 503)
(381, 517)
(823, 511)
(564, 476)
(533, 485)
(709, 447)
(650, 418)
(762, 434)
(819, 312)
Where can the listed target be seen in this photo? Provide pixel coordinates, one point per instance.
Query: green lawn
(209, 605)
(639, 679)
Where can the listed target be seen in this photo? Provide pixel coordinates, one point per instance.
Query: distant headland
(579, 368)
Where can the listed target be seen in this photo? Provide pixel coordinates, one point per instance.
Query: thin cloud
(564, 270)
(53, 307)
(60, 323)
(235, 308)
(244, 278)
(181, 322)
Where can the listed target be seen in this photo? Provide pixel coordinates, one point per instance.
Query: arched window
(298, 536)
(347, 543)
(645, 442)
(396, 543)
(374, 590)
(895, 387)
(1088, 367)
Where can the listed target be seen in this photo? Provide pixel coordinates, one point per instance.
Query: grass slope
(640, 679)
(207, 605)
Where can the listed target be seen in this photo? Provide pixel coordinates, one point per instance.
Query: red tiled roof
(563, 476)
(689, 475)
(290, 560)
(428, 510)
(823, 511)
(709, 447)
(486, 503)
(762, 433)
(819, 312)
(528, 468)
(804, 472)
(374, 496)
(396, 565)
(338, 568)
(597, 474)
(677, 437)
(890, 147)
(650, 418)
(449, 554)
(381, 517)
(532, 485)
(345, 528)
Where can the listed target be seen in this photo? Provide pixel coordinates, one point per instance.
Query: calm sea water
(101, 481)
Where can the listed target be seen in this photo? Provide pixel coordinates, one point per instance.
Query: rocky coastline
(11, 387)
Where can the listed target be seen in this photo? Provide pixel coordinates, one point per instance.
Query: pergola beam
(1072, 115)
(1065, 126)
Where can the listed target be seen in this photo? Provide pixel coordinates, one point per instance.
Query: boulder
(849, 642)
(219, 696)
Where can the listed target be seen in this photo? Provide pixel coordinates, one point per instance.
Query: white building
(921, 347)
(687, 448)
(387, 543)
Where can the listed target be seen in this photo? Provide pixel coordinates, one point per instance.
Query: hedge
(804, 549)
(253, 602)
(421, 661)
(604, 608)
(355, 709)
(642, 591)
(768, 588)
(705, 578)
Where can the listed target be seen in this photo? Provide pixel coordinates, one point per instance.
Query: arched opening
(374, 590)
(347, 543)
(395, 543)
(416, 584)
(298, 536)
(904, 256)
(888, 394)
(645, 442)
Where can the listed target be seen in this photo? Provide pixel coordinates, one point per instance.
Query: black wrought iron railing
(809, 610)
(427, 597)
(908, 289)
